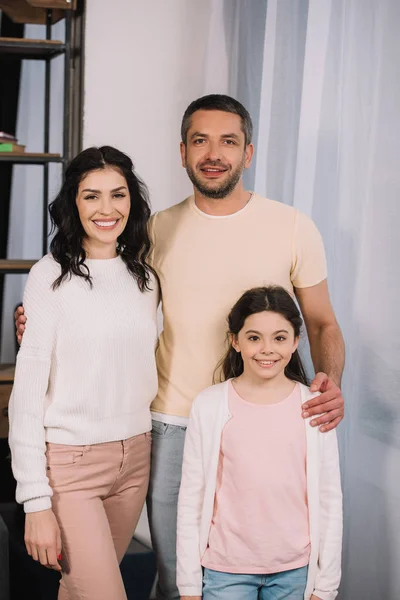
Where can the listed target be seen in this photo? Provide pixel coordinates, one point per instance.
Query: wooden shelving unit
(30, 158)
(45, 12)
(46, 50)
(35, 11)
(7, 373)
(31, 49)
(10, 266)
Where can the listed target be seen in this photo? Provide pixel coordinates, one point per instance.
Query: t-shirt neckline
(220, 217)
(263, 406)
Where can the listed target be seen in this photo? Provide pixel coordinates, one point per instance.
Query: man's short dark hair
(218, 102)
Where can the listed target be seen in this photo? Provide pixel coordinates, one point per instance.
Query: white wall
(142, 68)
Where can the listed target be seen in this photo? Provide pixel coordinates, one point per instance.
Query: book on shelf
(11, 147)
(7, 137)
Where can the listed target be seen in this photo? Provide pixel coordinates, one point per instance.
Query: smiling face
(266, 343)
(215, 154)
(103, 203)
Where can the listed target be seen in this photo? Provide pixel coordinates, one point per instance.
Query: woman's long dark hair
(133, 245)
(273, 299)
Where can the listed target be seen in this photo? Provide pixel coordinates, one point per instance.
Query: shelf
(31, 158)
(34, 11)
(7, 373)
(13, 266)
(31, 49)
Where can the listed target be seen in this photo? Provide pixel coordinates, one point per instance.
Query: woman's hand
(43, 538)
(314, 597)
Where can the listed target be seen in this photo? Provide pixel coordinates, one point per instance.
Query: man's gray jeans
(162, 501)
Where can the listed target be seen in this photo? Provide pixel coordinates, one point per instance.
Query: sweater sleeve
(27, 402)
(330, 548)
(189, 570)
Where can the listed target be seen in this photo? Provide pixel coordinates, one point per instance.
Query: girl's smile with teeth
(265, 363)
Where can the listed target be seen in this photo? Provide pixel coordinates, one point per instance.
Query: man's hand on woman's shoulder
(20, 320)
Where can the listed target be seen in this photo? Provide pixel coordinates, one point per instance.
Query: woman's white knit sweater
(85, 372)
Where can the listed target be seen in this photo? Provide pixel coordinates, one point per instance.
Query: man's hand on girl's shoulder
(329, 405)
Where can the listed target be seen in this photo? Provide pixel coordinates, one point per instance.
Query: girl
(79, 412)
(260, 500)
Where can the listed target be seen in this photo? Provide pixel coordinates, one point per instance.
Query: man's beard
(224, 190)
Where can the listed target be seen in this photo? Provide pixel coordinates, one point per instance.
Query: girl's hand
(314, 597)
(43, 538)
(191, 597)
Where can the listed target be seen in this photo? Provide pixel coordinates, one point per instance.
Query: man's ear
(183, 154)
(249, 151)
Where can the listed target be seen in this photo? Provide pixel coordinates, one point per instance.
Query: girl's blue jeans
(288, 585)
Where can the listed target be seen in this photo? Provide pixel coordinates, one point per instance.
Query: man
(207, 251)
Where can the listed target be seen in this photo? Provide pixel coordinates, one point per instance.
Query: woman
(79, 412)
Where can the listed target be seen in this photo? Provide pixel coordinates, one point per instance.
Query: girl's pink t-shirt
(260, 522)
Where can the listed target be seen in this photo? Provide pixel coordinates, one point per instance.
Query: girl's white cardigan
(210, 413)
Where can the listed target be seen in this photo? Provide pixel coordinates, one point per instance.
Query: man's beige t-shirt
(204, 264)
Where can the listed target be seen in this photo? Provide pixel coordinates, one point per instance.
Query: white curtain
(322, 80)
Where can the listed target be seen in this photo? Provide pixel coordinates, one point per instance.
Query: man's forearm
(327, 351)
